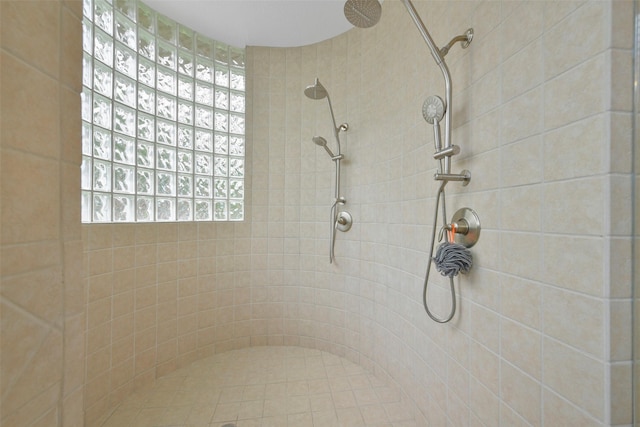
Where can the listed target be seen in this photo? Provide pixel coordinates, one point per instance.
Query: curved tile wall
(162, 295)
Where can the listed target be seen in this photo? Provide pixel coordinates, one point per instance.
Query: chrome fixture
(366, 13)
(339, 220)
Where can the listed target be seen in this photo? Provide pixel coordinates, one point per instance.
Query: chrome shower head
(318, 140)
(316, 91)
(362, 13)
(433, 109)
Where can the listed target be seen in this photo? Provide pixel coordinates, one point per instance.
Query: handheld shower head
(318, 140)
(316, 91)
(362, 13)
(433, 109)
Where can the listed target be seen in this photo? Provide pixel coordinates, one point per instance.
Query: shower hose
(439, 196)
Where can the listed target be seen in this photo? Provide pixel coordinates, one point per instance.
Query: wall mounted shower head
(318, 140)
(362, 13)
(316, 91)
(433, 109)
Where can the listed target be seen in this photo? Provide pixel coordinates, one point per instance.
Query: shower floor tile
(266, 387)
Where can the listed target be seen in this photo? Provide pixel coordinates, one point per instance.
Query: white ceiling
(276, 23)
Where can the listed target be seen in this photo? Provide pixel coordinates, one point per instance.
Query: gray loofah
(453, 258)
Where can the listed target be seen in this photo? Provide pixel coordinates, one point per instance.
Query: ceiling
(275, 23)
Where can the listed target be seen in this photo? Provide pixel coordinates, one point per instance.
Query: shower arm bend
(439, 58)
(336, 128)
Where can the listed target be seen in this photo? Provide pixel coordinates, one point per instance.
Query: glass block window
(163, 119)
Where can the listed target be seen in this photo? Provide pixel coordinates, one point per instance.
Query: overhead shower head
(316, 91)
(362, 13)
(318, 140)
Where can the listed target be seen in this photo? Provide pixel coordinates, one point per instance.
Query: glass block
(124, 120)
(146, 45)
(146, 17)
(167, 80)
(144, 181)
(103, 80)
(185, 38)
(146, 72)
(123, 208)
(222, 53)
(103, 47)
(85, 173)
(166, 184)
(101, 176)
(166, 132)
(222, 99)
(185, 88)
(144, 209)
(221, 143)
(204, 93)
(202, 210)
(185, 210)
(87, 36)
(101, 144)
(166, 55)
(87, 70)
(185, 161)
(124, 150)
(237, 80)
(127, 7)
(87, 9)
(203, 186)
(236, 167)
(146, 99)
(204, 141)
(220, 210)
(236, 210)
(126, 61)
(166, 158)
(166, 106)
(222, 77)
(204, 46)
(236, 124)
(204, 70)
(101, 207)
(146, 127)
(185, 185)
(165, 210)
(204, 117)
(237, 57)
(101, 111)
(236, 146)
(221, 166)
(86, 206)
(87, 140)
(166, 29)
(222, 121)
(237, 103)
(185, 137)
(220, 188)
(124, 179)
(185, 63)
(125, 90)
(236, 189)
(126, 31)
(145, 155)
(86, 105)
(103, 15)
(185, 112)
(204, 163)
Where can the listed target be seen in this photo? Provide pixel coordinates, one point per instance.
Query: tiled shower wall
(542, 104)
(541, 110)
(42, 334)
